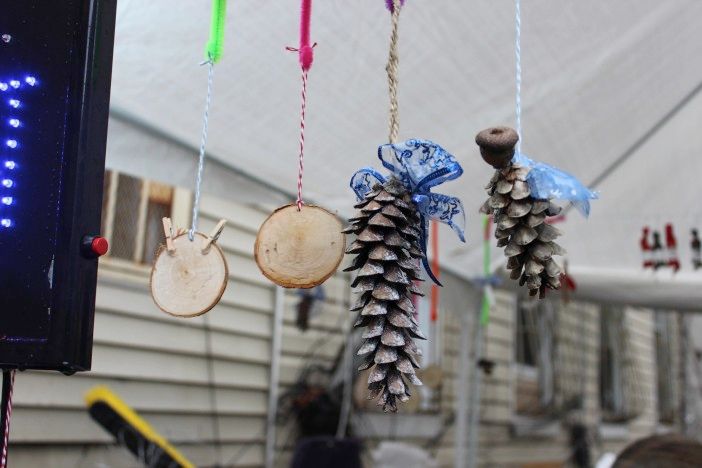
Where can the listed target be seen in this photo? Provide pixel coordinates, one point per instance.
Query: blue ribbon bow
(546, 182)
(419, 165)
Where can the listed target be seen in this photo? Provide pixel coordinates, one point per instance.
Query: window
(620, 387)
(611, 388)
(534, 357)
(666, 369)
(573, 340)
(132, 213)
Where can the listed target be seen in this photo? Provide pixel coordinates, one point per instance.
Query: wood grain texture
(299, 249)
(187, 282)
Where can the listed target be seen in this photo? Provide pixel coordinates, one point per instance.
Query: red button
(99, 246)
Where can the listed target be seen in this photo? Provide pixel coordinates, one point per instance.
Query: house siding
(210, 400)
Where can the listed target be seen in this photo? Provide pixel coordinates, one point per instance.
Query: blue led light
(16, 121)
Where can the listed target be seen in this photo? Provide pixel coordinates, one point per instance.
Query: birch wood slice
(299, 249)
(188, 282)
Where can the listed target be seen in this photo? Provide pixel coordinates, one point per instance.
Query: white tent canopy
(610, 94)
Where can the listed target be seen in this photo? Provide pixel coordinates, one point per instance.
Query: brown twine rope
(391, 68)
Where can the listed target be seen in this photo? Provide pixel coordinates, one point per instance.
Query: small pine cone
(520, 225)
(388, 260)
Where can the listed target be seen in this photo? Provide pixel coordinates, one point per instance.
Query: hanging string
(392, 68)
(306, 57)
(518, 62)
(487, 293)
(301, 166)
(434, 296)
(213, 53)
(8, 385)
(203, 143)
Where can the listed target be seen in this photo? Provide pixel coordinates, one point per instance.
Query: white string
(518, 60)
(203, 142)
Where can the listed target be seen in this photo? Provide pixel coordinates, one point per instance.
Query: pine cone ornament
(388, 254)
(520, 217)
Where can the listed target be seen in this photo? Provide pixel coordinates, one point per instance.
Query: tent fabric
(599, 78)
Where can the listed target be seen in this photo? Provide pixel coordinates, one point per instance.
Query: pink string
(306, 57)
(302, 140)
(8, 415)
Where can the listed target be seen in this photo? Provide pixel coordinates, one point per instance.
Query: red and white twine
(301, 166)
(8, 415)
(306, 56)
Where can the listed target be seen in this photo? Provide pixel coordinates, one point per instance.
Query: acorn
(497, 145)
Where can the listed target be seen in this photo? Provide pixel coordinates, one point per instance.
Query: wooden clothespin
(188, 277)
(168, 231)
(214, 235)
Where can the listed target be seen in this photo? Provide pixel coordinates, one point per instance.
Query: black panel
(55, 66)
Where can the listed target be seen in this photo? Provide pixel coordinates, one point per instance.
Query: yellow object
(102, 394)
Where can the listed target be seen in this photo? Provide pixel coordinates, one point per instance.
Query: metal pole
(275, 376)
(212, 389)
(683, 377)
(347, 374)
(475, 396)
(462, 411)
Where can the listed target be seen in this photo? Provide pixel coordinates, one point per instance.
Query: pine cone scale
(368, 346)
(385, 292)
(375, 307)
(399, 319)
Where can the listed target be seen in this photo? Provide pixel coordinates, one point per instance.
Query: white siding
(160, 365)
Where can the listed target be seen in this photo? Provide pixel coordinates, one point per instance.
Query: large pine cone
(388, 259)
(519, 218)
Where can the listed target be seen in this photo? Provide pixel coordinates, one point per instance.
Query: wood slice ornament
(189, 277)
(299, 249)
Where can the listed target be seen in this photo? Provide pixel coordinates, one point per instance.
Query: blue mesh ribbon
(546, 182)
(419, 165)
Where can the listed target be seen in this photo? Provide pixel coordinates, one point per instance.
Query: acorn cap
(497, 145)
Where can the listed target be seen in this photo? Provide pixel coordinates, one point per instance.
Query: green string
(215, 44)
(485, 311)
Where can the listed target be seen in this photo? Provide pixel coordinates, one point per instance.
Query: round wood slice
(188, 282)
(299, 249)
